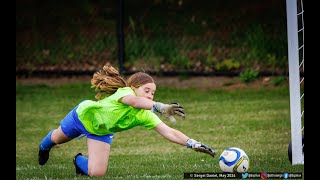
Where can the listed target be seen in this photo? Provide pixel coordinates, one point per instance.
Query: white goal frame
(296, 64)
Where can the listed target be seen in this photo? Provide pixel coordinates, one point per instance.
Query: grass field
(258, 121)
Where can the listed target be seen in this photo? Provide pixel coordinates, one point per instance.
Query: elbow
(130, 101)
(134, 102)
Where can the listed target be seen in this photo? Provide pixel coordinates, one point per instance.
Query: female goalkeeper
(120, 105)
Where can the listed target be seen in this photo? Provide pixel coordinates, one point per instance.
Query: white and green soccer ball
(234, 160)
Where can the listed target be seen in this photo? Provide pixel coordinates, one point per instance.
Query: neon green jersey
(110, 116)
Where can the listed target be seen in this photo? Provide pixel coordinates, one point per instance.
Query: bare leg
(98, 157)
(58, 137)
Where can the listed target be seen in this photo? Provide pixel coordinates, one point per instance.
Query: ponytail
(107, 81)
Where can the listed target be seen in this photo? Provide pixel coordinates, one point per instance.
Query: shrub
(248, 75)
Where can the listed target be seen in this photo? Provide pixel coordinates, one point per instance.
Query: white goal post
(295, 29)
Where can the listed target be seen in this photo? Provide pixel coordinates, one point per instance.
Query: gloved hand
(199, 147)
(168, 110)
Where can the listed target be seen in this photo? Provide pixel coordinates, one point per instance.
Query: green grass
(258, 121)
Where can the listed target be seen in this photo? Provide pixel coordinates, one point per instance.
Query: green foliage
(67, 49)
(248, 75)
(277, 81)
(257, 121)
(76, 32)
(227, 65)
(210, 60)
(263, 47)
(180, 61)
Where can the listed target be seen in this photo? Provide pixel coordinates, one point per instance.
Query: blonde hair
(108, 80)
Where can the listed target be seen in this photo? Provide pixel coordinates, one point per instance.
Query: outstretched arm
(171, 134)
(178, 137)
(168, 110)
(137, 102)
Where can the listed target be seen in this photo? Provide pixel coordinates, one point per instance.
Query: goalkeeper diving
(121, 105)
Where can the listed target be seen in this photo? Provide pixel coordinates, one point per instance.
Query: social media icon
(264, 175)
(244, 175)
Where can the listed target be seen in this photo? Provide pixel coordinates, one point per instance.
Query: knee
(97, 171)
(58, 136)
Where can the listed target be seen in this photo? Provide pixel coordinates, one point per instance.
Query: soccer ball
(234, 160)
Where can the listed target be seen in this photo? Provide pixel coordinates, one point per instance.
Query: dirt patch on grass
(227, 83)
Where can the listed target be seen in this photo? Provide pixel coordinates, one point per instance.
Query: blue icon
(244, 175)
(285, 175)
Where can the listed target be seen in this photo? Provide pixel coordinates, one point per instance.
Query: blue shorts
(72, 127)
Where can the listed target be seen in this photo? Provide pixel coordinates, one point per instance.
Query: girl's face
(146, 90)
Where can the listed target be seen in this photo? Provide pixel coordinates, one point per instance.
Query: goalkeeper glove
(168, 110)
(199, 147)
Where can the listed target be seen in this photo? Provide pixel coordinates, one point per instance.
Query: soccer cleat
(43, 156)
(78, 170)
